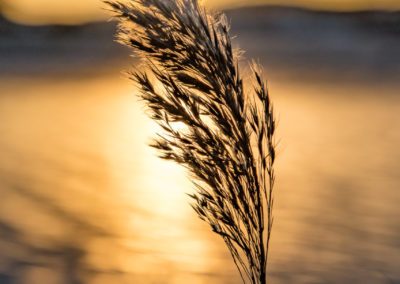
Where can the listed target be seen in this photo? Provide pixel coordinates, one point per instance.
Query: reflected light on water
(85, 200)
(115, 200)
(103, 208)
(157, 188)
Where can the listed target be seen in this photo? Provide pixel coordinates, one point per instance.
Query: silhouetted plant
(227, 143)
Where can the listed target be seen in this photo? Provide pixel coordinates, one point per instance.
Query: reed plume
(227, 143)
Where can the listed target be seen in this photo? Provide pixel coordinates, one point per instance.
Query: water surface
(84, 200)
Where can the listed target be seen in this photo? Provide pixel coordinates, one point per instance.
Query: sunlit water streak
(85, 200)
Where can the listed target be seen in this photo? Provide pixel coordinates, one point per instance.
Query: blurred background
(84, 200)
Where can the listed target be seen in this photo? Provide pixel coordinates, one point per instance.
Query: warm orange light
(80, 11)
(54, 11)
(334, 5)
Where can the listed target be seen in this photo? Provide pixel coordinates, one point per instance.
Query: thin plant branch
(227, 142)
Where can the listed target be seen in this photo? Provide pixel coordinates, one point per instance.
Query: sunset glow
(85, 199)
(76, 12)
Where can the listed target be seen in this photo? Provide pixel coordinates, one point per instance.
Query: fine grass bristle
(227, 143)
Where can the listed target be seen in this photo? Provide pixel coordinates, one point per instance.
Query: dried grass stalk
(227, 143)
